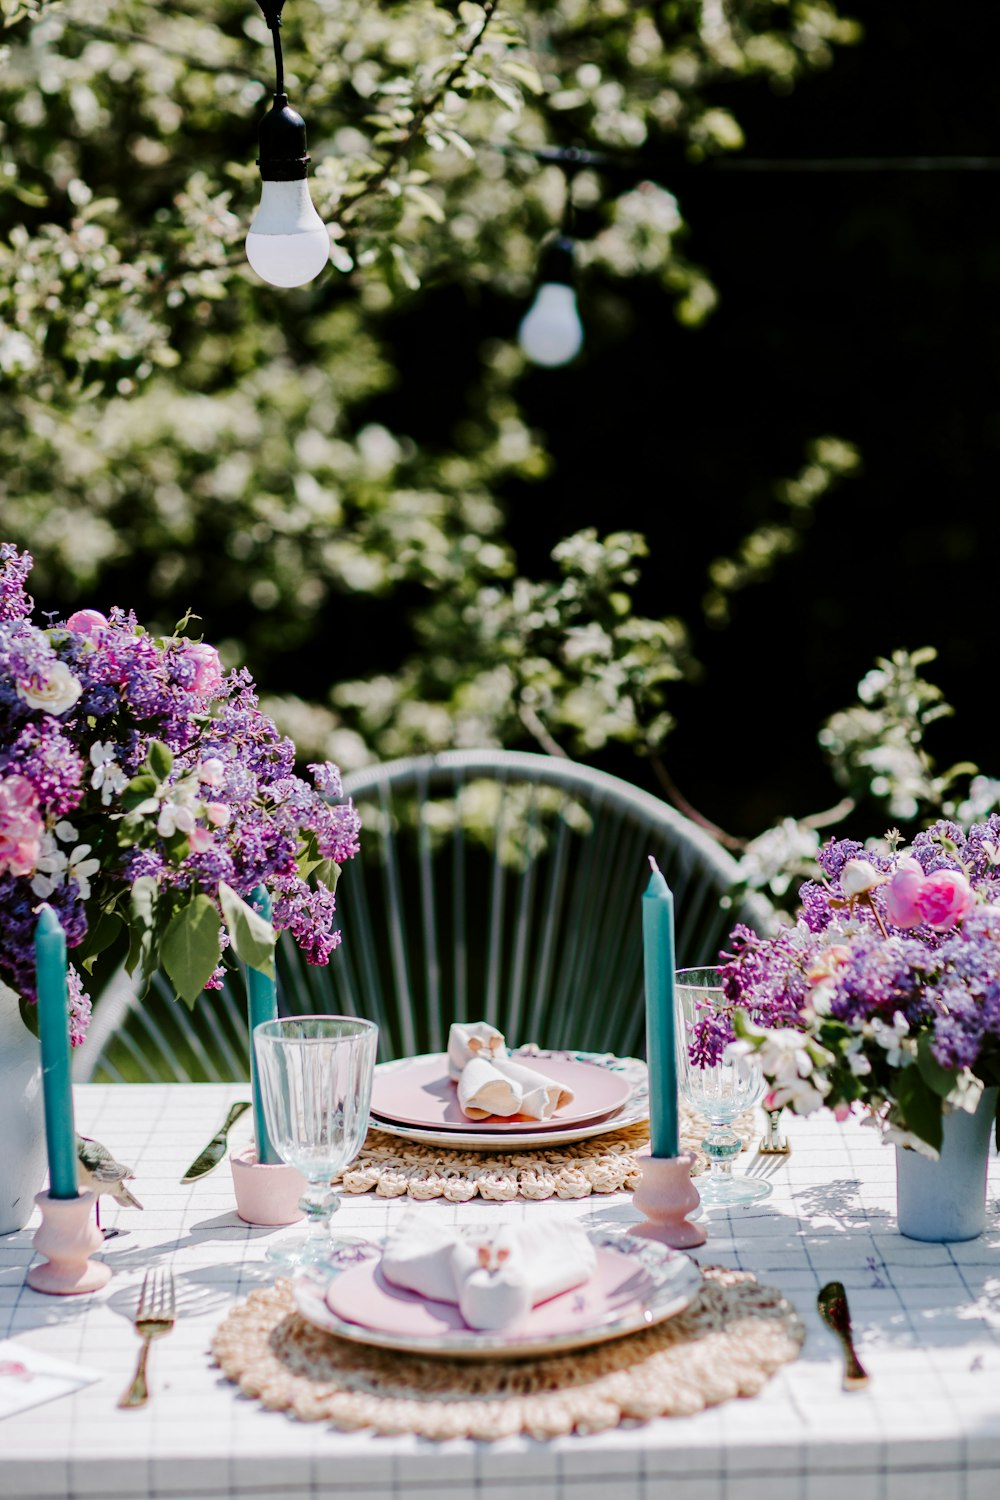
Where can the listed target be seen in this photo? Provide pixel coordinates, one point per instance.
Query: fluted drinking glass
(316, 1083)
(720, 1093)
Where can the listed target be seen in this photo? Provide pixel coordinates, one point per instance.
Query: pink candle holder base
(66, 1236)
(267, 1195)
(666, 1195)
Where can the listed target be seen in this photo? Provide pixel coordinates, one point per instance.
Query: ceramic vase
(946, 1199)
(22, 1123)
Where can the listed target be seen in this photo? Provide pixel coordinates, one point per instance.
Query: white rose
(55, 694)
(858, 876)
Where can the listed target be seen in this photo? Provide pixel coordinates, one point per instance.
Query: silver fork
(153, 1317)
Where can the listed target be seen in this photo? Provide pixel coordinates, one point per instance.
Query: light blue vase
(946, 1199)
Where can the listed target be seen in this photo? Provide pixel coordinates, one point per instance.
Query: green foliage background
(177, 435)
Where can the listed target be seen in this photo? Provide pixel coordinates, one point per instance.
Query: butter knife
(833, 1309)
(216, 1148)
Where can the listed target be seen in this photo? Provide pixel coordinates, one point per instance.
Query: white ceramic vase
(945, 1199)
(22, 1122)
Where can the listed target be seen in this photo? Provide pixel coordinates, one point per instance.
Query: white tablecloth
(927, 1319)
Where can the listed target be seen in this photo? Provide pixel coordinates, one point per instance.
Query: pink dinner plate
(363, 1296)
(419, 1092)
(637, 1284)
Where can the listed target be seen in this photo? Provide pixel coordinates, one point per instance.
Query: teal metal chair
(491, 884)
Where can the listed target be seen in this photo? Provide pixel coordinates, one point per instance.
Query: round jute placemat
(728, 1343)
(392, 1167)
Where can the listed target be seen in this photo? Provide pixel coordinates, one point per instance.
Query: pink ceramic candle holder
(66, 1236)
(265, 1194)
(666, 1195)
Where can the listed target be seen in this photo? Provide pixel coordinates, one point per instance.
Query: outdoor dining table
(926, 1319)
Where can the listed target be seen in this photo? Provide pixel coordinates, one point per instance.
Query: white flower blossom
(899, 1046)
(81, 869)
(50, 867)
(858, 877)
(966, 1092)
(895, 1135)
(175, 817)
(790, 1059)
(107, 777)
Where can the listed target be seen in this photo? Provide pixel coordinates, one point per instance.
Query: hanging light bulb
(551, 333)
(287, 243)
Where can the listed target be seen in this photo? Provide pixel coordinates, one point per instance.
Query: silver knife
(216, 1148)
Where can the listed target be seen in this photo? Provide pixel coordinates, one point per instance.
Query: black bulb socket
(282, 138)
(555, 263)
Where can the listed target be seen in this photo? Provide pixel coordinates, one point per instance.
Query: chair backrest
(491, 884)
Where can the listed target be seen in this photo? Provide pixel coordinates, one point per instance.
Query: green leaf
(160, 760)
(919, 1106)
(312, 864)
(941, 1080)
(100, 935)
(29, 1014)
(139, 789)
(251, 936)
(142, 916)
(524, 74)
(327, 873)
(190, 948)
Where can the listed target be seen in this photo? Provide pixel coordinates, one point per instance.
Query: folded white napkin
(490, 1083)
(495, 1277)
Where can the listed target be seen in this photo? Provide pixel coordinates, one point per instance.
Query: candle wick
(653, 865)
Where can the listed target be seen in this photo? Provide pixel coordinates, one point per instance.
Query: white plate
(653, 1283)
(633, 1111)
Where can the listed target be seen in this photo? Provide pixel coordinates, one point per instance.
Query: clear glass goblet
(316, 1083)
(720, 1093)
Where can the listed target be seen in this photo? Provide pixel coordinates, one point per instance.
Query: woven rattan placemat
(391, 1167)
(728, 1343)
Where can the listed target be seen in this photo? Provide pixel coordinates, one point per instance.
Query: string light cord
(636, 168)
(272, 15)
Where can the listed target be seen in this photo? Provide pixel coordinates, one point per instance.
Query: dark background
(864, 304)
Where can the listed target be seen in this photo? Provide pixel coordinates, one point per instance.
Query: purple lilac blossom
(941, 985)
(15, 603)
(136, 689)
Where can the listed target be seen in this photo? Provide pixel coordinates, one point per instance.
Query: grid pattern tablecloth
(927, 1319)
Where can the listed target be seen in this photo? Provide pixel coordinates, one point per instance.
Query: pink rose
(902, 898)
(940, 900)
(87, 622)
(945, 898)
(207, 668)
(21, 826)
(212, 772)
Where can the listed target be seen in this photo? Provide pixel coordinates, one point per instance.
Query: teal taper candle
(262, 1005)
(53, 1031)
(658, 956)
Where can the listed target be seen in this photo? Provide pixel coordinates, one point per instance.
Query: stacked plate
(636, 1284)
(414, 1098)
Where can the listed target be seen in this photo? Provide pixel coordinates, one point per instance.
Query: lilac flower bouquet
(885, 995)
(142, 792)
